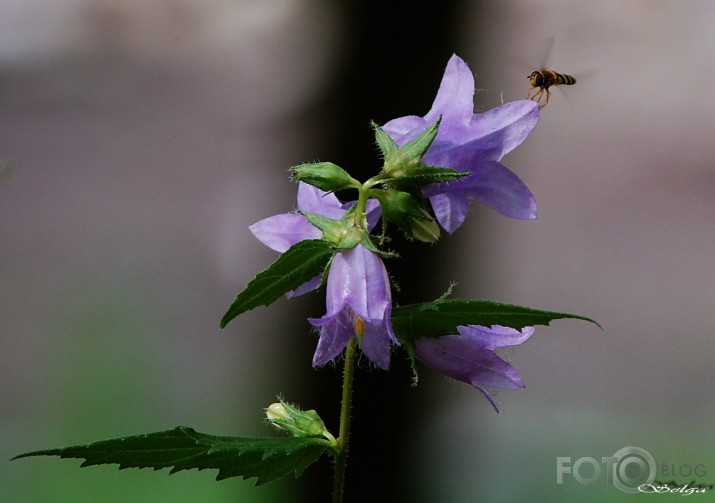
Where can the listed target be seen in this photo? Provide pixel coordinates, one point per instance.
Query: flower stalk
(344, 431)
(361, 206)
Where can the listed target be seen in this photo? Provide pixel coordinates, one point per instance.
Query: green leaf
(183, 448)
(300, 263)
(441, 317)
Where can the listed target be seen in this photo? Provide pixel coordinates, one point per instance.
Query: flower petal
(280, 232)
(306, 287)
(313, 200)
(335, 333)
(489, 136)
(399, 129)
(507, 126)
(376, 345)
(455, 97)
(368, 285)
(499, 188)
(497, 336)
(450, 209)
(338, 286)
(490, 183)
(454, 102)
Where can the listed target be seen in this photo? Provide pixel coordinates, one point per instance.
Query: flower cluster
(358, 301)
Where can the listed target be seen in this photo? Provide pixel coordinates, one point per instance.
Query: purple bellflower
(358, 304)
(280, 232)
(473, 143)
(470, 357)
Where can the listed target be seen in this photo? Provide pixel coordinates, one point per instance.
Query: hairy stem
(342, 455)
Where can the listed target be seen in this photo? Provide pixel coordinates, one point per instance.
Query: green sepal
(441, 317)
(397, 206)
(183, 448)
(368, 243)
(342, 234)
(300, 263)
(406, 211)
(386, 144)
(425, 230)
(424, 174)
(404, 169)
(400, 162)
(332, 229)
(324, 175)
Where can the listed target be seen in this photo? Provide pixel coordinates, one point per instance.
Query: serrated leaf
(300, 263)
(184, 448)
(441, 317)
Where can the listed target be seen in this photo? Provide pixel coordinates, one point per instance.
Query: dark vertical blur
(395, 53)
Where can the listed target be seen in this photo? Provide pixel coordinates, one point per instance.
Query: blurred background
(138, 141)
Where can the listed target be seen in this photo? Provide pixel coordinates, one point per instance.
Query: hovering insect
(541, 80)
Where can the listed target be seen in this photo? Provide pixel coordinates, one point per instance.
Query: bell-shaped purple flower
(282, 231)
(358, 304)
(470, 357)
(473, 143)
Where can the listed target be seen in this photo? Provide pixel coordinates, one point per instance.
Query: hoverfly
(541, 80)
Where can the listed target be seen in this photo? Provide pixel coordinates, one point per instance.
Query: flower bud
(324, 175)
(297, 422)
(276, 411)
(425, 230)
(407, 211)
